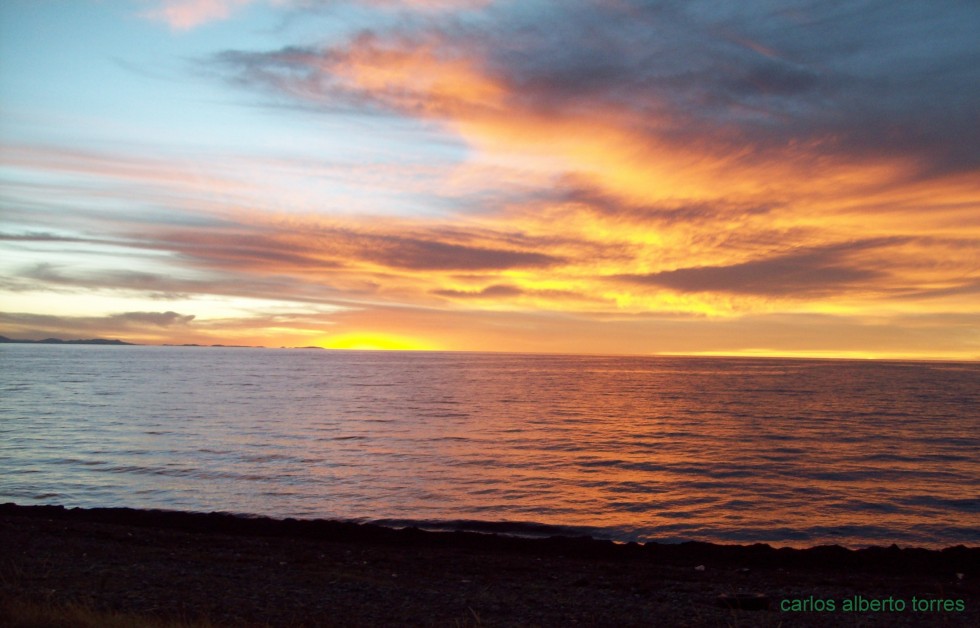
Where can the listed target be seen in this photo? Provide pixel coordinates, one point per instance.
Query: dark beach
(231, 570)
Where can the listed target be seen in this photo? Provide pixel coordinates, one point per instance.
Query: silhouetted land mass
(194, 344)
(103, 341)
(59, 341)
(257, 571)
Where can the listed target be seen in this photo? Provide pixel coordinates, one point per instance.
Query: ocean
(728, 450)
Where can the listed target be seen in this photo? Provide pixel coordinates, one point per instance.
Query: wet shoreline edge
(891, 559)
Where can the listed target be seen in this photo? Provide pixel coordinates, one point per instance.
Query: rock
(744, 601)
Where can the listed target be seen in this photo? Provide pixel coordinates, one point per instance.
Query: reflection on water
(792, 452)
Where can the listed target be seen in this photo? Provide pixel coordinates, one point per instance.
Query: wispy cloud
(813, 272)
(121, 325)
(159, 319)
(670, 84)
(185, 15)
(490, 292)
(652, 165)
(188, 14)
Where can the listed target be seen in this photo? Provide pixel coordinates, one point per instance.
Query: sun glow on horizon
(373, 341)
(554, 180)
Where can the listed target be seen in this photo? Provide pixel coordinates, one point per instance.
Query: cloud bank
(601, 165)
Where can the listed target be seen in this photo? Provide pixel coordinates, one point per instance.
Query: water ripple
(734, 450)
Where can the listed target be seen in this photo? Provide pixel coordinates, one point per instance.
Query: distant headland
(59, 341)
(105, 341)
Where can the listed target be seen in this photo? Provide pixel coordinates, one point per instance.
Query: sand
(238, 571)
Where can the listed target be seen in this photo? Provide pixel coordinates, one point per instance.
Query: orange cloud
(643, 181)
(634, 154)
(576, 249)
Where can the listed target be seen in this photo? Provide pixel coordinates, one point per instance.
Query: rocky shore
(235, 571)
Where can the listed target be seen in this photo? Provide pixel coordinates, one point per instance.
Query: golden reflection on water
(791, 452)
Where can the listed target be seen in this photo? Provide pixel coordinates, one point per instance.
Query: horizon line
(851, 356)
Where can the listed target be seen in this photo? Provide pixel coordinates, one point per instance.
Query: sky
(791, 178)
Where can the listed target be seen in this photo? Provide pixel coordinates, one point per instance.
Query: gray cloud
(332, 248)
(860, 79)
(488, 292)
(414, 254)
(574, 190)
(304, 262)
(809, 272)
(41, 236)
(33, 326)
(158, 286)
(158, 319)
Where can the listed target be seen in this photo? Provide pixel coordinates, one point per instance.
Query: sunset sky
(793, 178)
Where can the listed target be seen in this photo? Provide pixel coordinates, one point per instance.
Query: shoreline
(546, 539)
(236, 570)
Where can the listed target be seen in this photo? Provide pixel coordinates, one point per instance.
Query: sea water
(731, 450)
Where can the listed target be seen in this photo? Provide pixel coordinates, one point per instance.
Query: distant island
(194, 344)
(59, 341)
(104, 341)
